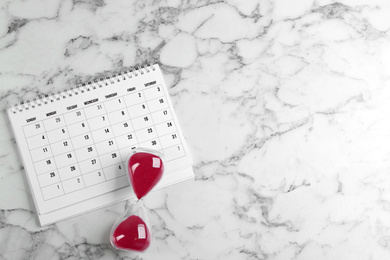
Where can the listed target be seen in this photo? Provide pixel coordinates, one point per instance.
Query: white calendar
(75, 144)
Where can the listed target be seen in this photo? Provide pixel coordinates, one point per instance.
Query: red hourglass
(131, 231)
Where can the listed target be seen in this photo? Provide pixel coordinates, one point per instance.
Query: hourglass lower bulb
(131, 231)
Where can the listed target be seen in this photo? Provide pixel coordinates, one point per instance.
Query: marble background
(284, 104)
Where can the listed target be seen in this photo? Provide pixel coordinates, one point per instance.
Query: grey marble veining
(284, 105)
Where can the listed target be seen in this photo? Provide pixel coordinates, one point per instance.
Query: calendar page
(75, 144)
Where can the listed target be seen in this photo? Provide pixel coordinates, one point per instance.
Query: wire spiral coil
(81, 88)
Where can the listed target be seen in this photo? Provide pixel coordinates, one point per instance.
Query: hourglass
(131, 231)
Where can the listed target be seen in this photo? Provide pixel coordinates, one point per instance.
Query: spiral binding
(81, 88)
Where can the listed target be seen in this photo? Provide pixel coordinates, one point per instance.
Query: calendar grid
(95, 143)
(114, 143)
(117, 151)
(141, 115)
(69, 156)
(72, 141)
(125, 123)
(159, 89)
(53, 173)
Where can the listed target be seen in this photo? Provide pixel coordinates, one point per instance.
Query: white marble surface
(285, 106)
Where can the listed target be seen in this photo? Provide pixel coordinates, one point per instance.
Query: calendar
(75, 144)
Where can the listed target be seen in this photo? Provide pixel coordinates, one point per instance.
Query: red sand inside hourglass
(145, 171)
(132, 234)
